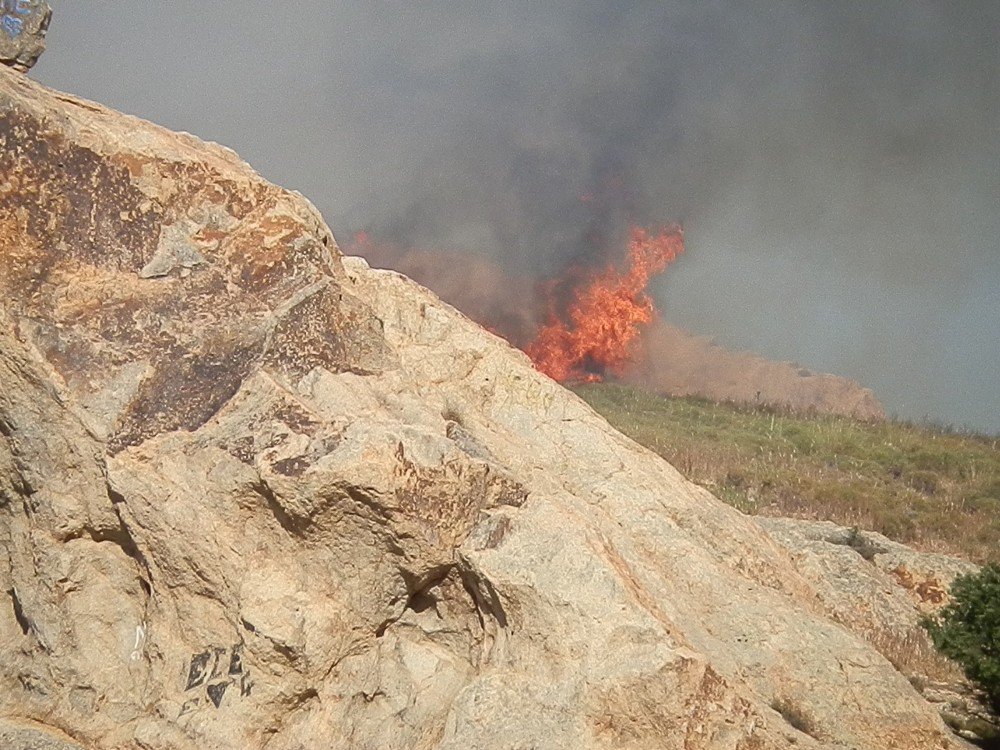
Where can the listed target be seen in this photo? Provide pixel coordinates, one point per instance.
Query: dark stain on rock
(75, 233)
(283, 252)
(242, 449)
(73, 358)
(328, 330)
(448, 499)
(271, 428)
(75, 203)
(184, 393)
(239, 199)
(297, 418)
(292, 467)
(498, 530)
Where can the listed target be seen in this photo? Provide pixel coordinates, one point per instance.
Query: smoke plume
(834, 164)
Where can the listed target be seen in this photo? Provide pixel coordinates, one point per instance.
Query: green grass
(928, 487)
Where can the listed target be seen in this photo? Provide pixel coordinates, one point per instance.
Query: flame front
(592, 318)
(594, 333)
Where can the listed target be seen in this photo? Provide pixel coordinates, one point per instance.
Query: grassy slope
(926, 487)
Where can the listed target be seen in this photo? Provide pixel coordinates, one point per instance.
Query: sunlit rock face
(254, 494)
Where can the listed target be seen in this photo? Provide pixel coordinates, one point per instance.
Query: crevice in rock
(300, 699)
(421, 601)
(451, 415)
(22, 619)
(795, 716)
(291, 524)
(379, 513)
(420, 597)
(860, 543)
(122, 538)
(485, 597)
(287, 706)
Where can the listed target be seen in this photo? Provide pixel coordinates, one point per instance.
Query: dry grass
(928, 487)
(914, 656)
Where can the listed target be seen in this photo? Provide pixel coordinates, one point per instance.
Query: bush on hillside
(968, 629)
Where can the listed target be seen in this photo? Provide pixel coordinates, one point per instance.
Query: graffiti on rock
(13, 14)
(212, 673)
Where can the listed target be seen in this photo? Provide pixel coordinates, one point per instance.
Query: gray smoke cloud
(836, 164)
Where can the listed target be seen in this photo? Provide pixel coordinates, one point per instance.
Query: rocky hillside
(256, 495)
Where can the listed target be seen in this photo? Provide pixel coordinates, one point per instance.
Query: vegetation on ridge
(968, 629)
(928, 487)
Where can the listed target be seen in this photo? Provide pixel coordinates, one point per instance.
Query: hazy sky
(836, 164)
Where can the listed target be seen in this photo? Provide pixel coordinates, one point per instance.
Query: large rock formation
(254, 494)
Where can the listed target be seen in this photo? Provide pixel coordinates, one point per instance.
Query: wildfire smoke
(650, 353)
(583, 325)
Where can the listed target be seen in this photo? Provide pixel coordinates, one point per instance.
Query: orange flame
(595, 332)
(593, 318)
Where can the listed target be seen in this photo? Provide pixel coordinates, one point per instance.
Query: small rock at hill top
(23, 24)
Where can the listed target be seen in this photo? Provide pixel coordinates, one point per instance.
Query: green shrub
(968, 629)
